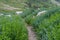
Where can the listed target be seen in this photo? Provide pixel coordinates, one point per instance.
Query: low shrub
(29, 18)
(26, 12)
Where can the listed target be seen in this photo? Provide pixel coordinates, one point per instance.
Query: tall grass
(47, 26)
(12, 28)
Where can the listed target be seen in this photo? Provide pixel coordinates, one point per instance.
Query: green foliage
(12, 28)
(26, 12)
(38, 19)
(29, 18)
(47, 26)
(39, 4)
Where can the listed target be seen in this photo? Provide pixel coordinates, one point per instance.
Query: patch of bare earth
(31, 33)
(55, 2)
(8, 7)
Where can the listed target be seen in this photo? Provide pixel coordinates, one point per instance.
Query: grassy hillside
(46, 26)
(14, 3)
(22, 4)
(12, 28)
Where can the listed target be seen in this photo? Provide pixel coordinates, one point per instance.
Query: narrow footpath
(31, 33)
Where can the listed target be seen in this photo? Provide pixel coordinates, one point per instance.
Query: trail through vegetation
(31, 33)
(55, 2)
(29, 20)
(8, 7)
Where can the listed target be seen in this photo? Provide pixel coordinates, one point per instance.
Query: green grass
(47, 26)
(12, 28)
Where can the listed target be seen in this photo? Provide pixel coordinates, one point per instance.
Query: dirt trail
(8, 7)
(55, 2)
(31, 34)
